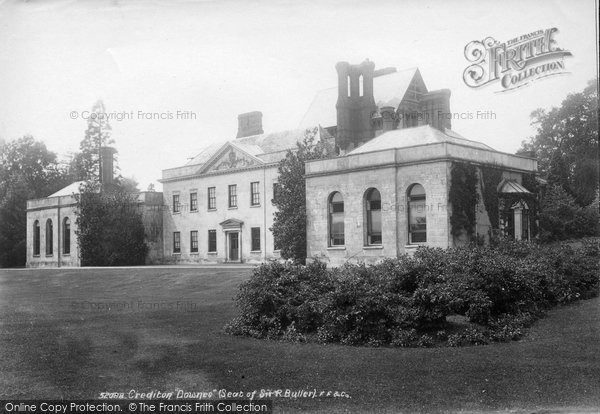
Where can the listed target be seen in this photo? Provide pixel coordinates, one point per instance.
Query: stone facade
(393, 171)
(383, 195)
(56, 219)
(225, 221)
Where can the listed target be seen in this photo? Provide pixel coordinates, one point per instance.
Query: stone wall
(203, 220)
(393, 182)
(55, 209)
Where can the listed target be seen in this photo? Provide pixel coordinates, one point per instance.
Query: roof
(72, 188)
(256, 145)
(388, 90)
(408, 137)
(512, 187)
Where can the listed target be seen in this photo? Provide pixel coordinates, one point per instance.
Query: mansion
(384, 193)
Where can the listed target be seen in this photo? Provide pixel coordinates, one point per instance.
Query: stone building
(384, 194)
(389, 191)
(52, 222)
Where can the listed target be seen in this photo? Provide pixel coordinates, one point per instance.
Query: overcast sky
(221, 58)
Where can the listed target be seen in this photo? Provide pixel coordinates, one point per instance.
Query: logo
(514, 63)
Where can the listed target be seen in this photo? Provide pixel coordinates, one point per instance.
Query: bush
(404, 302)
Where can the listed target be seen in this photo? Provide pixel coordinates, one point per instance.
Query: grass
(164, 332)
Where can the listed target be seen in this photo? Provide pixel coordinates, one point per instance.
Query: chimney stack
(436, 107)
(249, 124)
(107, 173)
(355, 104)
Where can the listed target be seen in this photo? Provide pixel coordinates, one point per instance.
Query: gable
(230, 158)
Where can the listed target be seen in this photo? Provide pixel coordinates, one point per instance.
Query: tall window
(233, 195)
(417, 218)
(336, 220)
(176, 242)
(212, 198)
(360, 86)
(349, 89)
(255, 232)
(66, 236)
(254, 194)
(194, 241)
(212, 241)
(373, 213)
(36, 238)
(176, 204)
(194, 201)
(49, 237)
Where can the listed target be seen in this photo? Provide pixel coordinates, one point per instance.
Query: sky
(217, 59)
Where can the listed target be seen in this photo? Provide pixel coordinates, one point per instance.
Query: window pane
(417, 215)
(193, 201)
(255, 238)
(212, 240)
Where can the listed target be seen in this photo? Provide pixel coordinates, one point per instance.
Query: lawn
(163, 331)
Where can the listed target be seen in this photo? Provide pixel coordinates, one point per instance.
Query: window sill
(36, 255)
(66, 254)
(232, 208)
(212, 253)
(255, 251)
(177, 212)
(194, 254)
(373, 247)
(193, 211)
(414, 245)
(336, 248)
(254, 205)
(211, 209)
(49, 255)
(176, 254)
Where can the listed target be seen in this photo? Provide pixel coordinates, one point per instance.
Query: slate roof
(408, 137)
(72, 188)
(388, 90)
(256, 145)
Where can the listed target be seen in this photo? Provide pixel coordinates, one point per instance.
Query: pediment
(231, 224)
(230, 158)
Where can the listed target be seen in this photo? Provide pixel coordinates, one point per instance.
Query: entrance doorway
(234, 246)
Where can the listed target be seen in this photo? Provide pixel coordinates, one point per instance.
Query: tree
(562, 218)
(566, 144)
(289, 224)
(28, 170)
(86, 163)
(110, 230)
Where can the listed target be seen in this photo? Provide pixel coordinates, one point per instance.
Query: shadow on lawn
(61, 354)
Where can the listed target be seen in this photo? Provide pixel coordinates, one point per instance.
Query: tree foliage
(86, 163)
(289, 225)
(28, 170)
(566, 144)
(110, 230)
(562, 218)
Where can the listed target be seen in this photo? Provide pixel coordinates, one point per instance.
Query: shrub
(405, 302)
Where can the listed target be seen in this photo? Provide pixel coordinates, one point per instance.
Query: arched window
(348, 82)
(36, 238)
(417, 218)
(336, 220)
(373, 217)
(49, 237)
(66, 236)
(360, 86)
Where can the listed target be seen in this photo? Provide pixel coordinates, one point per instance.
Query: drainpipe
(58, 228)
(265, 214)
